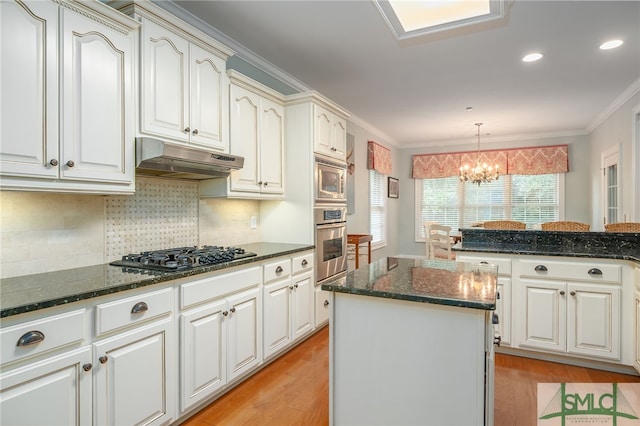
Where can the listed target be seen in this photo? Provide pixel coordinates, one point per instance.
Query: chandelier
(481, 173)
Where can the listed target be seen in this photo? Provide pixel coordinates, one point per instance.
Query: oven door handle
(332, 225)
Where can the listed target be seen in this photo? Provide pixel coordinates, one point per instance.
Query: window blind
(377, 202)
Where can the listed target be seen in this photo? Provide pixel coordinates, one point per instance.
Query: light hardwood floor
(294, 389)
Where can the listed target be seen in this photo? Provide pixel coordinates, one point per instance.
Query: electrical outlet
(254, 222)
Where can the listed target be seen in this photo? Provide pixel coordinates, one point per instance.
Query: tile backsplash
(42, 232)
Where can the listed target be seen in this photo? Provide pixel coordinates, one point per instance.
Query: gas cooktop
(181, 258)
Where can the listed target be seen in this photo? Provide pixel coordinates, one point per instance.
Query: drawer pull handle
(495, 319)
(484, 262)
(304, 262)
(139, 308)
(540, 268)
(594, 271)
(498, 295)
(326, 303)
(279, 269)
(30, 338)
(87, 367)
(103, 359)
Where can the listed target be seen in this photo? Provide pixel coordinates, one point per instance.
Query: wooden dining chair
(438, 241)
(504, 224)
(622, 227)
(565, 225)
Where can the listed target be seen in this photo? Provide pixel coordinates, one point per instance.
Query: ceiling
(415, 92)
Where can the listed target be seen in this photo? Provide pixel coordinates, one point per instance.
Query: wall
(577, 205)
(617, 129)
(42, 232)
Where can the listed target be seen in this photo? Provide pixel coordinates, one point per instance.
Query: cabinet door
(302, 299)
(503, 309)
(209, 94)
(636, 362)
(203, 353)
(29, 87)
(593, 320)
(165, 82)
(339, 136)
(544, 315)
(323, 130)
(56, 391)
(97, 101)
(244, 331)
(134, 376)
(244, 113)
(272, 147)
(277, 317)
(323, 301)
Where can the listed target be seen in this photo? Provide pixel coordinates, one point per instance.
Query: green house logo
(586, 403)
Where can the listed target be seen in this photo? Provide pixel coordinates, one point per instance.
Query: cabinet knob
(260, 183)
(495, 319)
(30, 338)
(87, 367)
(540, 268)
(561, 292)
(497, 340)
(304, 262)
(594, 271)
(326, 303)
(265, 184)
(290, 287)
(139, 308)
(187, 129)
(233, 310)
(195, 131)
(70, 163)
(279, 269)
(225, 313)
(498, 295)
(295, 285)
(53, 162)
(103, 359)
(573, 293)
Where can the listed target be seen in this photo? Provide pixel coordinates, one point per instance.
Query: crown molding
(617, 103)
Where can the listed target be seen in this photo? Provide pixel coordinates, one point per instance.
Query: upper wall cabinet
(257, 134)
(329, 124)
(183, 86)
(68, 117)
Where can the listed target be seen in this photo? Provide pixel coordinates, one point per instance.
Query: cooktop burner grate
(181, 258)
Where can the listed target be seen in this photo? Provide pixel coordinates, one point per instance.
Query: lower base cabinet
(55, 391)
(636, 361)
(323, 302)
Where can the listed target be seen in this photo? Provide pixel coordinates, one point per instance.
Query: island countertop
(442, 282)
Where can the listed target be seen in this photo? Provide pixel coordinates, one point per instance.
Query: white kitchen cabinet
(134, 368)
(636, 360)
(330, 135)
(288, 302)
(184, 89)
(323, 303)
(581, 318)
(53, 391)
(220, 341)
(257, 134)
(67, 103)
(503, 290)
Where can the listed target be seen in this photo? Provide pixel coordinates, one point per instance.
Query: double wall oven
(330, 214)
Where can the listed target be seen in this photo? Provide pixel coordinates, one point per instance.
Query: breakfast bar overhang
(411, 342)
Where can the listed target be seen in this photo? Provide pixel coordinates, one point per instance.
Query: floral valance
(521, 161)
(378, 158)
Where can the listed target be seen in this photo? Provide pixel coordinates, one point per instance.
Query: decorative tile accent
(163, 213)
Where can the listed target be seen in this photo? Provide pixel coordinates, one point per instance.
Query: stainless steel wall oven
(331, 241)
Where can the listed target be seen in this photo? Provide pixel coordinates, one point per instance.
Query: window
(532, 199)
(377, 203)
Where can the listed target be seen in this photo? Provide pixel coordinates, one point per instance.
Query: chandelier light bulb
(481, 173)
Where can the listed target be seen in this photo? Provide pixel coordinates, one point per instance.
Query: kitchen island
(411, 342)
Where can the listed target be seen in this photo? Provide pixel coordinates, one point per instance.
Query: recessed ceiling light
(532, 57)
(611, 44)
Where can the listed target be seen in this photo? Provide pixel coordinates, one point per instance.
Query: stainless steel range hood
(158, 158)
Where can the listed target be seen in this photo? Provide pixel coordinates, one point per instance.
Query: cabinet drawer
(277, 270)
(35, 337)
(575, 271)
(303, 263)
(211, 288)
(125, 312)
(504, 265)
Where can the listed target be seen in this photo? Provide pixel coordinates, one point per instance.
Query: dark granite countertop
(39, 291)
(602, 245)
(440, 282)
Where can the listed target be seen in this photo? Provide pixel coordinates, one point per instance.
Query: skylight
(411, 18)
